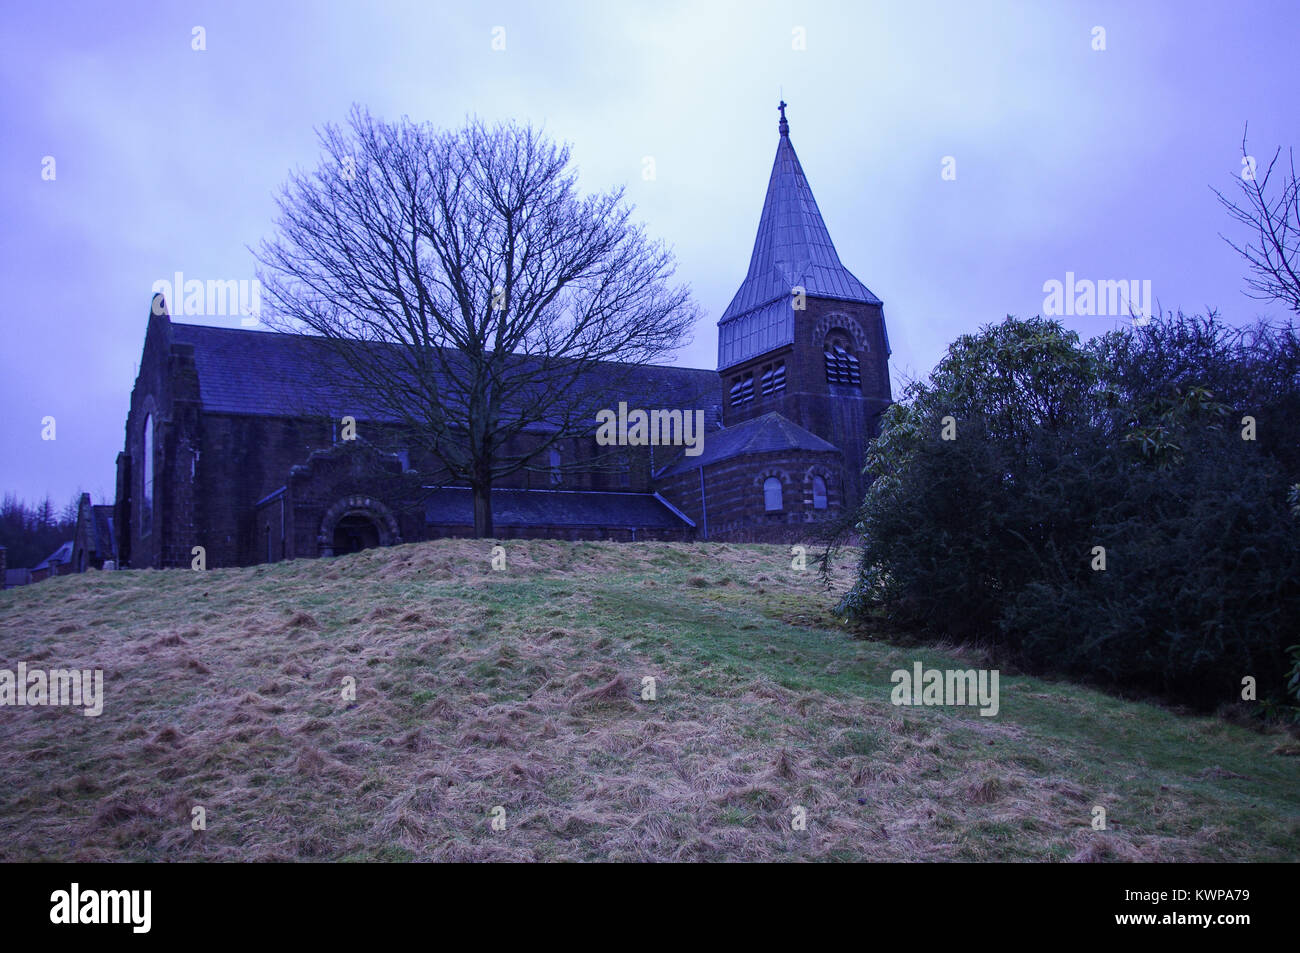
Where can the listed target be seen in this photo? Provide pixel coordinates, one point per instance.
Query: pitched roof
(792, 249)
(454, 506)
(265, 373)
(770, 433)
(275, 374)
(61, 555)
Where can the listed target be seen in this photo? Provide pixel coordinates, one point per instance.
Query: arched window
(841, 363)
(556, 476)
(772, 494)
(819, 493)
(146, 479)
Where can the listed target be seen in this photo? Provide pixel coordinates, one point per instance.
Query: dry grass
(523, 689)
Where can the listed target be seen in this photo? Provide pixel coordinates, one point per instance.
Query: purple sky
(1067, 158)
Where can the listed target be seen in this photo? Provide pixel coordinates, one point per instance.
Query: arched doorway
(354, 533)
(356, 523)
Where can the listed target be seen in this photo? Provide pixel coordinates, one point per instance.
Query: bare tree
(1274, 251)
(469, 287)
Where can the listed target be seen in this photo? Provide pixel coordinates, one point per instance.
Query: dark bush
(1132, 443)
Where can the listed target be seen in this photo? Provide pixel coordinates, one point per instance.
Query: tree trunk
(482, 509)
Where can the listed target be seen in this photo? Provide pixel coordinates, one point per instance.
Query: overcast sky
(1067, 158)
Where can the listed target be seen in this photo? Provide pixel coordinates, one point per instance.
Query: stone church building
(233, 439)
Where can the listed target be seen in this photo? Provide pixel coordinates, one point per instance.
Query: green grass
(523, 689)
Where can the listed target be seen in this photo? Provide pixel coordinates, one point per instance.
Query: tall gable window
(773, 378)
(772, 494)
(742, 388)
(146, 481)
(841, 364)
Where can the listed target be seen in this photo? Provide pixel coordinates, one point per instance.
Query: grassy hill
(522, 689)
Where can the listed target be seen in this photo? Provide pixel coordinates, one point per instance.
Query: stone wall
(166, 394)
(216, 474)
(617, 534)
(736, 505)
(845, 416)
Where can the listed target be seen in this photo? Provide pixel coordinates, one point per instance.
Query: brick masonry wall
(618, 534)
(843, 415)
(211, 469)
(166, 396)
(736, 504)
(123, 506)
(81, 534)
(245, 459)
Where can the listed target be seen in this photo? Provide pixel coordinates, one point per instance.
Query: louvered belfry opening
(841, 365)
(773, 378)
(742, 389)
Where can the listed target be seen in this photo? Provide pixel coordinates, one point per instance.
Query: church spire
(792, 250)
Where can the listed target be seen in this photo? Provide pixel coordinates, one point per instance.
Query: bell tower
(803, 337)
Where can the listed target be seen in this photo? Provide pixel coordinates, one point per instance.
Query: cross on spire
(783, 126)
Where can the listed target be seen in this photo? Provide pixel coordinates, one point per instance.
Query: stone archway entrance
(356, 523)
(354, 533)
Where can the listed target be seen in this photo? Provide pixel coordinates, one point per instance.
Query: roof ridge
(747, 437)
(319, 337)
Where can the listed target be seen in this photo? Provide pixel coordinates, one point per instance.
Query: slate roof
(62, 555)
(275, 374)
(454, 506)
(265, 373)
(792, 249)
(770, 433)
